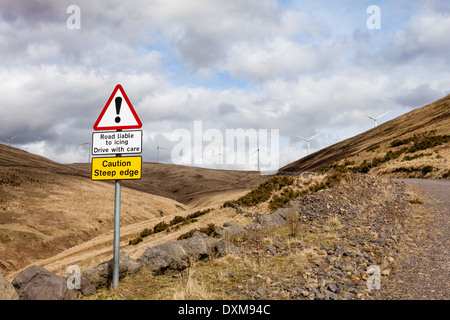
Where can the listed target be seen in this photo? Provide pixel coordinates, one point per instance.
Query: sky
(295, 67)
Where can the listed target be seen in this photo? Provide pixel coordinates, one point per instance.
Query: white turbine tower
(257, 150)
(9, 140)
(157, 150)
(375, 118)
(220, 159)
(89, 150)
(308, 140)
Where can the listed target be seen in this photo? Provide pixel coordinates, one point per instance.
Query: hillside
(382, 150)
(321, 246)
(47, 208)
(184, 183)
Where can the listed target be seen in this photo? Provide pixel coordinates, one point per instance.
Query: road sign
(116, 168)
(117, 142)
(118, 113)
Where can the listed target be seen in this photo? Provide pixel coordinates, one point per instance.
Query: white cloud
(299, 69)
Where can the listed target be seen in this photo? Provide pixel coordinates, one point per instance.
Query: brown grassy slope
(435, 116)
(47, 207)
(184, 183)
(44, 210)
(13, 157)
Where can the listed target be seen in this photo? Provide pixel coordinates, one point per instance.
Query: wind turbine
(220, 159)
(375, 119)
(257, 150)
(89, 150)
(9, 140)
(308, 140)
(157, 150)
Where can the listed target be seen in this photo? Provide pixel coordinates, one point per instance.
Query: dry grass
(230, 277)
(433, 117)
(293, 222)
(190, 288)
(55, 216)
(62, 211)
(309, 256)
(333, 224)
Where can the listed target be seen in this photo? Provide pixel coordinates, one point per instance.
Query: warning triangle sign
(118, 113)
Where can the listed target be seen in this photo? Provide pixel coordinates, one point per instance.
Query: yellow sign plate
(116, 168)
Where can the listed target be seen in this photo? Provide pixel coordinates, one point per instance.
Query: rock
(348, 295)
(223, 248)
(199, 246)
(304, 293)
(286, 213)
(37, 283)
(231, 232)
(322, 282)
(101, 275)
(87, 288)
(261, 293)
(235, 207)
(269, 220)
(330, 295)
(174, 257)
(270, 248)
(164, 258)
(7, 291)
(332, 287)
(320, 296)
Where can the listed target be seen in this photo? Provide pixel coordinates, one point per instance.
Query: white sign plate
(117, 142)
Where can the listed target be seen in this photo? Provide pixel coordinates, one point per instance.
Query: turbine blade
(367, 115)
(302, 138)
(384, 114)
(314, 136)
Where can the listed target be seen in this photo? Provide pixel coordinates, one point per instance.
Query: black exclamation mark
(118, 102)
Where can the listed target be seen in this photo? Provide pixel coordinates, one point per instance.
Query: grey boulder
(274, 219)
(37, 283)
(101, 275)
(7, 291)
(163, 258)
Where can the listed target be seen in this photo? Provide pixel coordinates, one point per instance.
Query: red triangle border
(119, 127)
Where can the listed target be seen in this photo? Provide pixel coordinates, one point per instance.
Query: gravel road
(426, 273)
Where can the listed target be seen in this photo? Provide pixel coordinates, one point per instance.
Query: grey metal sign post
(116, 249)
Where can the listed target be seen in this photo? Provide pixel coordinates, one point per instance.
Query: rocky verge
(37, 283)
(338, 243)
